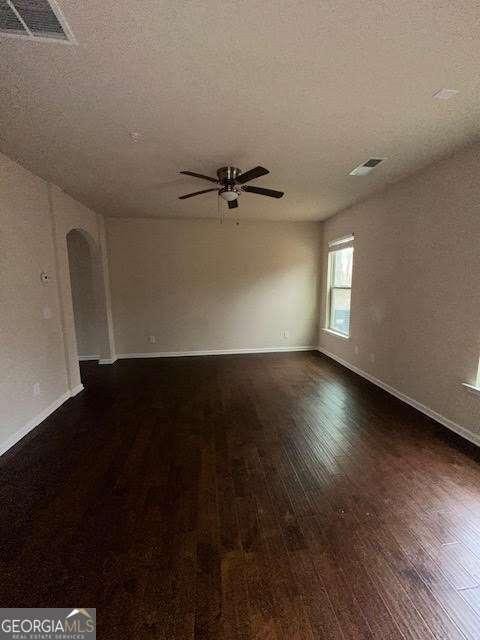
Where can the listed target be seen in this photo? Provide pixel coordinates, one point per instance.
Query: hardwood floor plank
(266, 497)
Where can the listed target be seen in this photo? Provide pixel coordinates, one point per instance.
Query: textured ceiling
(307, 89)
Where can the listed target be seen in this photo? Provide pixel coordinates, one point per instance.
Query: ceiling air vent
(34, 20)
(365, 168)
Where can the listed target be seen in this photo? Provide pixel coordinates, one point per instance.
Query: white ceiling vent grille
(34, 20)
(365, 168)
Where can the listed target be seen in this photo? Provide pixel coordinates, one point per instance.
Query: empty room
(239, 320)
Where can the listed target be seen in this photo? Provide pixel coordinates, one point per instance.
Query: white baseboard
(446, 422)
(75, 390)
(97, 357)
(20, 433)
(211, 352)
(34, 422)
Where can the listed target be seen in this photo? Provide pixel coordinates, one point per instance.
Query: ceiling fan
(231, 183)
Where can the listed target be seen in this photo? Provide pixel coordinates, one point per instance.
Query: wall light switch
(285, 334)
(36, 389)
(372, 357)
(357, 350)
(152, 339)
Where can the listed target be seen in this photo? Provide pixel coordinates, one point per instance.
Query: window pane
(340, 310)
(342, 267)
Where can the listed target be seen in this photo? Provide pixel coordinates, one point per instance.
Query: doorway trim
(93, 230)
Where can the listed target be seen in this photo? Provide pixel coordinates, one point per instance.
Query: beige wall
(37, 343)
(87, 329)
(31, 346)
(199, 285)
(416, 291)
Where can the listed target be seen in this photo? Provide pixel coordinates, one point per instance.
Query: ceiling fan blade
(196, 193)
(232, 204)
(263, 192)
(198, 175)
(257, 172)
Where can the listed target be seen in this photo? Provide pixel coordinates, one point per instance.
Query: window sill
(472, 388)
(336, 333)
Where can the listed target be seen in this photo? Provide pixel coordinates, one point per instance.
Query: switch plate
(152, 339)
(36, 389)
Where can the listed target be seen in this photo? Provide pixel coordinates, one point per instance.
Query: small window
(339, 291)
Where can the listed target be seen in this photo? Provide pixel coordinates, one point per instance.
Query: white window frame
(333, 246)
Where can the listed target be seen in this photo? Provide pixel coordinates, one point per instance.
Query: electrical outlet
(152, 339)
(36, 389)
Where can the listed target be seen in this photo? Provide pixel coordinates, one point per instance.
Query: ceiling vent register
(365, 168)
(34, 20)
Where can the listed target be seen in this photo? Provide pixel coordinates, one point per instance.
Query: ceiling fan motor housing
(227, 175)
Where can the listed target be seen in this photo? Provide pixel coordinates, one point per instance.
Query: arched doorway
(85, 308)
(87, 328)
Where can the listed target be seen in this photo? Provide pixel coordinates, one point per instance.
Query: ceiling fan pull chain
(219, 210)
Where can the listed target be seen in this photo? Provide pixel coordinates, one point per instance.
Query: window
(339, 289)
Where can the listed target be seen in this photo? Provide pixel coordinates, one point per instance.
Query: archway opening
(84, 300)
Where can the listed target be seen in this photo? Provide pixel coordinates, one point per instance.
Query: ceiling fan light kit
(231, 181)
(228, 194)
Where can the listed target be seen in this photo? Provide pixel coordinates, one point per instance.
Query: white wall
(416, 291)
(198, 285)
(31, 347)
(37, 343)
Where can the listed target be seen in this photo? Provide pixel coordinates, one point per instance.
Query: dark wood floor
(236, 497)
